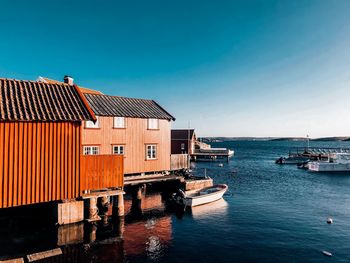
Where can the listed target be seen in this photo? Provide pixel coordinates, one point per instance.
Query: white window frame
(119, 151)
(152, 154)
(153, 124)
(119, 122)
(92, 125)
(91, 150)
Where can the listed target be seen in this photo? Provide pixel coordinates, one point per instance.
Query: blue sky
(230, 68)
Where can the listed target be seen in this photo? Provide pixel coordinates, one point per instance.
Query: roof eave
(171, 116)
(85, 102)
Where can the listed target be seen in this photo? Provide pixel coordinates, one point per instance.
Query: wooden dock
(209, 157)
(153, 178)
(315, 153)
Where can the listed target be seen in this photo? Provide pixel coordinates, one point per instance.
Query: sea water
(270, 213)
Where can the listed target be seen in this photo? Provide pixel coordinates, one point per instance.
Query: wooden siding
(134, 137)
(39, 162)
(101, 171)
(179, 161)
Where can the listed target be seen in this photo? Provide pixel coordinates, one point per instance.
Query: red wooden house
(41, 144)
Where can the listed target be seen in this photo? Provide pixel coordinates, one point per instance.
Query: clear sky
(231, 68)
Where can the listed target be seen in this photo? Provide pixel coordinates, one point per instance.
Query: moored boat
(293, 159)
(230, 153)
(204, 196)
(337, 162)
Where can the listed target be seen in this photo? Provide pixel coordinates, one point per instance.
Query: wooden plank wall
(179, 161)
(39, 162)
(101, 171)
(134, 137)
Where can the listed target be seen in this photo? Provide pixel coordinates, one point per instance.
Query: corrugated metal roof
(104, 105)
(22, 100)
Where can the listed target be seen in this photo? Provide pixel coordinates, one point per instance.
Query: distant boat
(230, 153)
(204, 196)
(293, 159)
(337, 162)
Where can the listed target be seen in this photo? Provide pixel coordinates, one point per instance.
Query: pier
(213, 154)
(315, 153)
(185, 141)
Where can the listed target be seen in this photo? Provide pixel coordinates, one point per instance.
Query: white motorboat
(230, 153)
(204, 195)
(337, 162)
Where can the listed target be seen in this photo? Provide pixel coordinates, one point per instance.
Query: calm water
(271, 213)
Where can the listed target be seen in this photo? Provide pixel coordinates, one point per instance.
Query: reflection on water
(146, 234)
(218, 208)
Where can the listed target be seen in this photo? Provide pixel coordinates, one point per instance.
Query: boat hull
(328, 167)
(206, 198)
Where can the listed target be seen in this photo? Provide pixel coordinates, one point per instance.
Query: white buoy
(329, 220)
(326, 253)
(221, 164)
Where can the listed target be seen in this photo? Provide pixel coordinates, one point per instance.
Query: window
(91, 150)
(92, 125)
(119, 122)
(118, 149)
(153, 124)
(151, 152)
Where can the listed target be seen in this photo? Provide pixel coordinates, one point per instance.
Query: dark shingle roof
(182, 134)
(22, 100)
(104, 105)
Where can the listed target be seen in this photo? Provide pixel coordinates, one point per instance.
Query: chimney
(69, 80)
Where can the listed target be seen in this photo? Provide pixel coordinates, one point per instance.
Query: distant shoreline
(226, 139)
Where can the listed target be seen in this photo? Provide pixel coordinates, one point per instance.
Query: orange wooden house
(138, 129)
(41, 145)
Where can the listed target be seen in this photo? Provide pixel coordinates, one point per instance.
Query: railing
(213, 150)
(179, 161)
(101, 171)
(318, 150)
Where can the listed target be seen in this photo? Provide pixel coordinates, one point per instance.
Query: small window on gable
(152, 124)
(91, 150)
(119, 122)
(92, 125)
(118, 149)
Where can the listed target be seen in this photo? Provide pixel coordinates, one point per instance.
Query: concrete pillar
(138, 193)
(93, 210)
(136, 209)
(118, 227)
(105, 201)
(104, 209)
(118, 206)
(69, 212)
(143, 189)
(121, 205)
